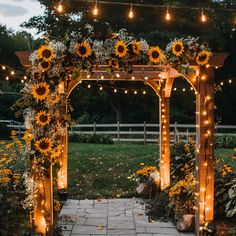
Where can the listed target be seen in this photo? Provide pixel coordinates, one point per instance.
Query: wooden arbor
(161, 79)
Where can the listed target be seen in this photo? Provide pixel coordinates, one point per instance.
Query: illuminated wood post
(163, 90)
(204, 149)
(164, 120)
(62, 174)
(42, 216)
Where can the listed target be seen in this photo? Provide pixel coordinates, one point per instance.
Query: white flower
(30, 187)
(33, 57)
(58, 47)
(144, 45)
(73, 47)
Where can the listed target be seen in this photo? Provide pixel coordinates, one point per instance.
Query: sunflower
(27, 137)
(121, 48)
(44, 145)
(43, 118)
(113, 63)
(84, 49)
(203, 57)
(177, 48)
(56, 152)
(46, 53)
(44, 66)
(40, 91)
(155, 54)
(136, 46)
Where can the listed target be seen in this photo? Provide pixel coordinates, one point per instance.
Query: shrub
(91, 138)
(4, 132)
(225, 141)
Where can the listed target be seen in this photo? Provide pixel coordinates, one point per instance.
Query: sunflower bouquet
(182, 52)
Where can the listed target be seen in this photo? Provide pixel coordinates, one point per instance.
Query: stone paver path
(111, 217)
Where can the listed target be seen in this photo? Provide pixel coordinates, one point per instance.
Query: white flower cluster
(31, 187)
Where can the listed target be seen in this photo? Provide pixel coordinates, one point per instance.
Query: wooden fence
(145, 133)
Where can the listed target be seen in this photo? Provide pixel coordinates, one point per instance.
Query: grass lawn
(98, 170)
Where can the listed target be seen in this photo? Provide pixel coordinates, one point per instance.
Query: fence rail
(146, 133)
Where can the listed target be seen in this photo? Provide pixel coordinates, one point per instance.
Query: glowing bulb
(25, 77)
(89, 86)
(115, 90)
(60, 7)
(101, 88)
(12, 72)
(7, 78)
(175, 89)
(146, 78)
(88, 76)
(133, 78)
(222, 83)
(131, 12)
(22, 81)
(168, 15)
(135, 92)
(184, 89)
(117, 75)
(95, 10)
(3, 67)
(144, 92)
(126, 91)
(203, 17)
(102, 77)
(230, 81)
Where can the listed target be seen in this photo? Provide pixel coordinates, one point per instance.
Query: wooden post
(118, 132)
(204, 149)
(62, 178)
(42, 217)
(144, 132)
(164, 114)
(94, 128)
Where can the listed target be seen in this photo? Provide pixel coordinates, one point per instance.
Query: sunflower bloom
(155, 54)
(177, 48)
(44, 66)
(40, 91)
(136, 46)
(44, 145)
(121, 49)
(43, 118)
(203, 57)
(46, 53)
(84, 50)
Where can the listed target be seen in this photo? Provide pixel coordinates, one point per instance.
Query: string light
(3, 67)
(144, 92)
(203, 16)
(60, 7)
(89, 86)
(131, 12)
(115, 90)
(126, 91)
(95, 9)
(168, 15)
(101, 88)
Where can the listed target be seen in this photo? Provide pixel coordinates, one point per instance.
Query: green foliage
(225, 141)
(231, 204)
(14, 219)
(94, 138)
(182, 159)
(5, 132)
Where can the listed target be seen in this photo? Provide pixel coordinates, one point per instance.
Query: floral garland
(54, 62)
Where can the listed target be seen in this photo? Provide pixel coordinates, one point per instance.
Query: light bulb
(203, 17)
(3, 67)
(60, 7)
(95, 9)
(115, 90)
(131, 12)
(144, 92)
(126, 91)
(168, 15)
